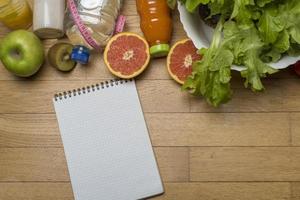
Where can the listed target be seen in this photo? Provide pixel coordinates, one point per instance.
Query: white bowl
(201, 35)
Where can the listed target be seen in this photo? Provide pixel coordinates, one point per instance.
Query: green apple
(22, 53)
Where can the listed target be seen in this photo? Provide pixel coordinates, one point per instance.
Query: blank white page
(106, 143)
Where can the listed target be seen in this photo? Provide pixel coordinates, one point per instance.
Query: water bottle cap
(90, 4)
(80, 54)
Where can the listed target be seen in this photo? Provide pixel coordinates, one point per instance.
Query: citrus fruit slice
(180, 60)
(127, 55)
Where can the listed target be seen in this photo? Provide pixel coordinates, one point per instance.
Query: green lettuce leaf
(294, 50)
(274, 52)
(270, 25)
(211, 76)
(255, 70)
(250, 33)
(191, 5)
(247, 46)
(262, 3)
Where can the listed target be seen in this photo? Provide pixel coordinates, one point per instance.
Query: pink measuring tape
(83, 29)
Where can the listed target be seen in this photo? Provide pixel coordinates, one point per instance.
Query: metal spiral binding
(89, 89)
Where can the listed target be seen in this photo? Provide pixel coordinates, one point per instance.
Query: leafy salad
(251, 33)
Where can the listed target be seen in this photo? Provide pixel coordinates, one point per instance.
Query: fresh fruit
(127, 55)
(59, 56)
(296, 67)
(22, 53)
(180, 60)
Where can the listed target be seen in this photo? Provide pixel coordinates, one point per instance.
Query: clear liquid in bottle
(99, 17)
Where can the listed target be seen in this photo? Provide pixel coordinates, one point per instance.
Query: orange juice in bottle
(15, 14)
(156, 24)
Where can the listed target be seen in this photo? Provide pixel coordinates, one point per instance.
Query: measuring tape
(83, 29)
(120, 24)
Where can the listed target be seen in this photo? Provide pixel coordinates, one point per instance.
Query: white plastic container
(48, 18)
(201, 35)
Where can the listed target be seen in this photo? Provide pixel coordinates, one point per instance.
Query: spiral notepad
(106, 142)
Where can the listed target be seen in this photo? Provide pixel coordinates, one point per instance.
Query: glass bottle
(156, 24)
(15, 14)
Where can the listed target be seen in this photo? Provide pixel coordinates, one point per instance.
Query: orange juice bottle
(156, 24)
(15, 14)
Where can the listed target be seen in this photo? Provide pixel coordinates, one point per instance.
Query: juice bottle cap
(80, 54)
(159, 50)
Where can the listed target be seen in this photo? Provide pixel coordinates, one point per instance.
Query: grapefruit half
(127, 55)
(180, 60)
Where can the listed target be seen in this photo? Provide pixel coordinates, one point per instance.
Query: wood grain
(290, 94)
(244, 100)
(295, 128)
(245, 164)
(174, 191)
(232, 149)
(166, 129)
(212, 129)
(280, 95)
(18, 164)
(226, 191)
(295, 191)
(156, 98)
(36, 97)
(29, 130)
(40, 191)
(49, 164)
(173, 163)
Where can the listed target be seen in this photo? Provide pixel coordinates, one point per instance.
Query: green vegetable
(211, 75)
(250, 33)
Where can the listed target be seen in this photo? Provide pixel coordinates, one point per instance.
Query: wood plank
(31, 96)
(245, 164)
(36, 97)
(226, 191)
(244, 100)
(173, 191)
(49, 164)
(29, 130)
(162, 96)
(173, 163)
(32, 191)
(166, 129)
(212, 129)
(26, 164)
(295, 128)
(295, 191)
(291, 94)
(4, 30)
(287, 73)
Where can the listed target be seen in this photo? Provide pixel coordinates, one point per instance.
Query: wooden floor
(248, 149)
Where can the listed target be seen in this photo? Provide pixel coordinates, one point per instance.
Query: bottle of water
(98, 17)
